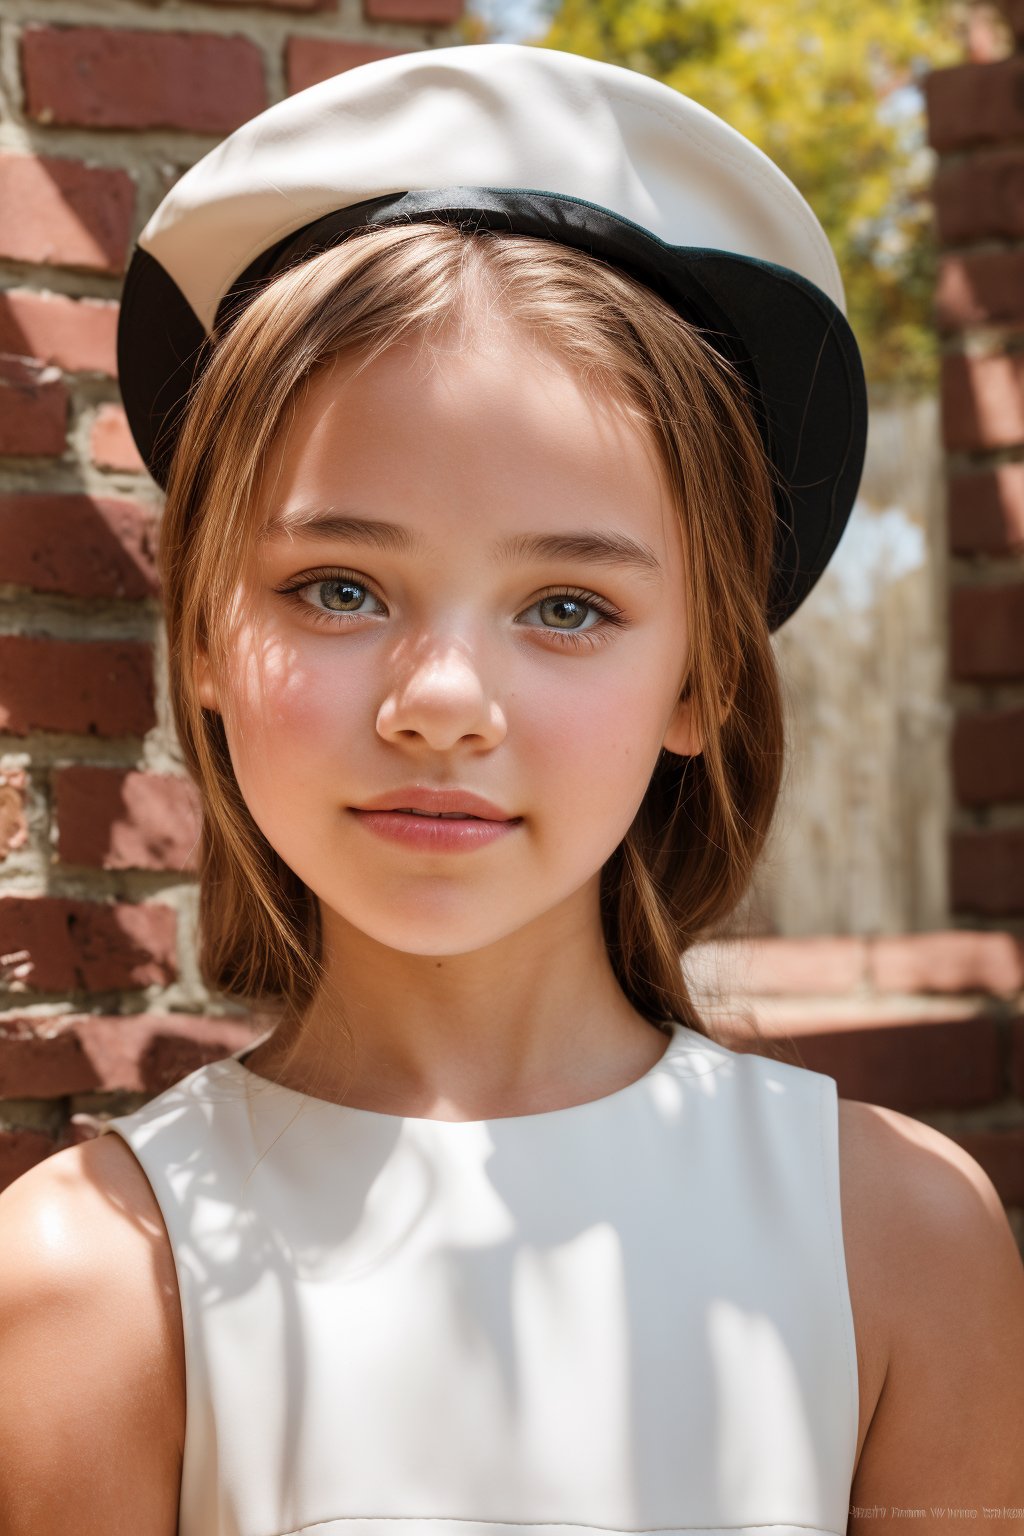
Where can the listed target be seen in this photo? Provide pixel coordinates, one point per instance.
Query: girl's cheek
(602, 707)
(295, 694)
(600, 740)
(285, 720)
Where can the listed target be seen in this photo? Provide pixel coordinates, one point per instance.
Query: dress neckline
(328, 1106)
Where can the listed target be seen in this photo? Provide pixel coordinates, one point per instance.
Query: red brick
(58, 944)
(308, 60)
(111, 445)
(107, 77)
(90, 688)
(987, 632)
(20, 1151)
(41, 1060)
(1001, 1154)
(78, 545)
(13, 826)
(982, 401)
(126, 820)
(954, 961)
(33, 408)
(979, 288)
(972, 104)
(909, 1064)
(420, 13)
(784, 965)
(986, 511)
(78, 335)
(987, 872)
(93, 1053)
(64, 213)
(988, 757)
(174, 1045)
(980, 196)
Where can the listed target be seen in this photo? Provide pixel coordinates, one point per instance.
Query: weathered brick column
(104, 107)
(976, 123)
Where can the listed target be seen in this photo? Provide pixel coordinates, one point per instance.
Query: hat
(530, 140)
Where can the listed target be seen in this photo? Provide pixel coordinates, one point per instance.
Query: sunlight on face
(453, 656)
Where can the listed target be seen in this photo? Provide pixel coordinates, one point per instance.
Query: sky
(514, 21)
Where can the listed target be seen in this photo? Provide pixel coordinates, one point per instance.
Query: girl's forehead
(492, 442)
(624, 516)
(495, 410)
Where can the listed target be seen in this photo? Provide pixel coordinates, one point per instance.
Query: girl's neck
(573, 1064)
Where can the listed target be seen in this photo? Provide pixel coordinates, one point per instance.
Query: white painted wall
(859, 844)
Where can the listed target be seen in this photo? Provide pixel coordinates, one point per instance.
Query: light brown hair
(688, 857)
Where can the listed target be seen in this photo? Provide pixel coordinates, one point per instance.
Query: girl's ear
(204, 682)
(682, 736)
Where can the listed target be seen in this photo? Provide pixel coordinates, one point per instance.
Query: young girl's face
(439, 652)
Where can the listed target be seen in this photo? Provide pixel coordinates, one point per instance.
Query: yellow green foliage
(827, 89)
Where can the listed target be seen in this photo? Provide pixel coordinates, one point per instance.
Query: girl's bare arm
(91, 1358)
(945, 1448)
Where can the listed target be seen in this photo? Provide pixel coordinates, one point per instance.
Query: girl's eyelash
(611, 617)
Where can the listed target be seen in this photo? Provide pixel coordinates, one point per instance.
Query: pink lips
(389, 816)
(424, 797)
(432, 833)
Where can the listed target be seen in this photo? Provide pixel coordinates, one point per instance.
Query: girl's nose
(443, 697)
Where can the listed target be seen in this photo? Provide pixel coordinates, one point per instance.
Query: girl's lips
(433, 832)
(433, 798)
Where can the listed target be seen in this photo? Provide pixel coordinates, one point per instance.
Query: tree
(829, 90)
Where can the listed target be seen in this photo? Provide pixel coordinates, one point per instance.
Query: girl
(505, 405)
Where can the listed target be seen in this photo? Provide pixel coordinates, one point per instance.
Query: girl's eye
(342, 595)
(567, 608)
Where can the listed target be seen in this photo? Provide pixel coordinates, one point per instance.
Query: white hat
(540, 142)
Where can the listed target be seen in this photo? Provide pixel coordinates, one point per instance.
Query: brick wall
(976, 126)
(976, 119)
(100, 1003)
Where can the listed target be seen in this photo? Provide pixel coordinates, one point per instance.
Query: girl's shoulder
(937, 1291)
(91, 1347)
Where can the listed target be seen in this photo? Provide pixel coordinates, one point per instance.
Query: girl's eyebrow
(591, 544)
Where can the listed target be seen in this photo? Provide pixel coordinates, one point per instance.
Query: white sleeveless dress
(631, 1315)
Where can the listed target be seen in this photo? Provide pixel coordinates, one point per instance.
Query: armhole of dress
(111, 1128)
(829, 1104)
